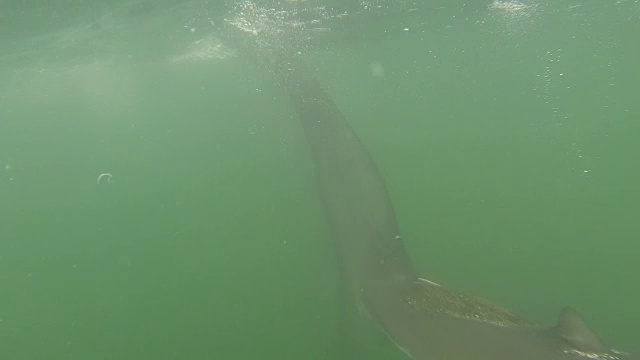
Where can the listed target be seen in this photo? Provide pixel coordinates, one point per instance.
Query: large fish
(424, 319)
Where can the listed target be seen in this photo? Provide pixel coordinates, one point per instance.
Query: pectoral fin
(572, 328)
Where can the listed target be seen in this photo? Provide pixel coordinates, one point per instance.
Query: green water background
(509, 144)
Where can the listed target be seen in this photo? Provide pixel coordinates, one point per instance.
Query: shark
(424, 319)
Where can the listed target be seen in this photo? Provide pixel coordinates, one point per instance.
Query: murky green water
(508, 137)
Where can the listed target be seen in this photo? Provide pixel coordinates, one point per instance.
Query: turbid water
(506, 133)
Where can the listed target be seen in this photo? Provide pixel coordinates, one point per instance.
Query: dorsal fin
(572, 328)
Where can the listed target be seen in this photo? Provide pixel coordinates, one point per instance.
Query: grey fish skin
(424, 319)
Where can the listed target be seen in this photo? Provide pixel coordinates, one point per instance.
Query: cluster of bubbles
(513, 16)
(267, 31)
(194, 31)
(295, 26)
